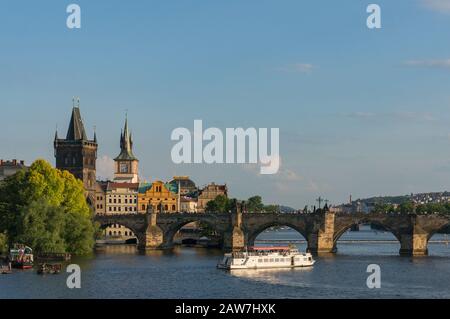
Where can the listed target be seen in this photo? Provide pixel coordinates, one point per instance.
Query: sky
(360, 111)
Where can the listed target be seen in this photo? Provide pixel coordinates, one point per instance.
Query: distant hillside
(387, 199)
(286, 209)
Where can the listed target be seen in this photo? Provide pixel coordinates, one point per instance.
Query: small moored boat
(21, 257)
(266, 257)
(5, 269)
(49, 269)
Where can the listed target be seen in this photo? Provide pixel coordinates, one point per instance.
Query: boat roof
(271, 248)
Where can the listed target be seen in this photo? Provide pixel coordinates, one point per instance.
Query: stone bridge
(321, 229)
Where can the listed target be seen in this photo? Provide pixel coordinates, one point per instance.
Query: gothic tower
(126, 166)
(77, 154)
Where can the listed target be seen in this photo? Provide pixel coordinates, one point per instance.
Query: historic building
(159, 196)
(100, 197)
(186, 185)
(121, 198)
(126, 164)
(120, 195)
(78, 154)
(210, 192)
(188, 205)
(9, 168)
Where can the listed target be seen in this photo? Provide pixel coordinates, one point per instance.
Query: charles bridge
(321, 229)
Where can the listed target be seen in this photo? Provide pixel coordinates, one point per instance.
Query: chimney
(350, 198)
(14, 162)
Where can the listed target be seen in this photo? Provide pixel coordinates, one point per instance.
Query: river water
(122, 272)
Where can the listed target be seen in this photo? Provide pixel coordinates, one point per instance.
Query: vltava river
(122, 272)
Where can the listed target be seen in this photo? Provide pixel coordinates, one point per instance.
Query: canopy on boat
(270, 248)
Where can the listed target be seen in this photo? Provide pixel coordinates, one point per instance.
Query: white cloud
(430, 63)
(297, 68)
(442, 6)
(105, 168)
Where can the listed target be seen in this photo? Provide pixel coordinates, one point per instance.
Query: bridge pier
(322, 241)
(414, 245)
(154, 236)
(234, 240)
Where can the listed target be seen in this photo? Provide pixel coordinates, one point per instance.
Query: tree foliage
(410, 207)
(222, 204)
(46, 209)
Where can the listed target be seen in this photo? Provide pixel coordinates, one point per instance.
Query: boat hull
(19, 265)
(238, 267)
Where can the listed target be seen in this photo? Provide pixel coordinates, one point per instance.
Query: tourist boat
(266, 257)
(21, 257)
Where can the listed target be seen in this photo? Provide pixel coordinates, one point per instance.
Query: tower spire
(76, 128)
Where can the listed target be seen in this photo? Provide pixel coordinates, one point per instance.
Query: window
(166, 207)
(173, 207)
(143, 207)
(110, 233)
(110, 208)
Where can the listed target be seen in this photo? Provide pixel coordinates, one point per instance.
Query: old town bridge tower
(77, 154)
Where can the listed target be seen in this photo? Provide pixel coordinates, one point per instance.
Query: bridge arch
(110, 223)
(366, 220)
(254, 233)
(173, 229)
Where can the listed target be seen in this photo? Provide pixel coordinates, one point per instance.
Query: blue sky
(361, 112)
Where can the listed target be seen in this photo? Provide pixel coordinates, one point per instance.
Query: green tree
(407, 207)
(254, 204)
(221, 204)
(3, 243)
(45, 208)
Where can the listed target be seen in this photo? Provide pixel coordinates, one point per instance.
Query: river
(122, 272)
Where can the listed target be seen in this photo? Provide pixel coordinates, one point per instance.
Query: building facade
(121, 198)
(188, 205)
(78, 154)
(9, 168)
(159, 196)
(208, 193)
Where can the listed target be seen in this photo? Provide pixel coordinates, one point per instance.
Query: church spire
(126, 144)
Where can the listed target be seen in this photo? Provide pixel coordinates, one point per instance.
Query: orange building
(159, 196)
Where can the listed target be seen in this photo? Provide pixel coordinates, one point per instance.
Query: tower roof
(126, 145)
(76, 130)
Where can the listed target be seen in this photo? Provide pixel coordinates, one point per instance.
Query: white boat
(266, 257)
